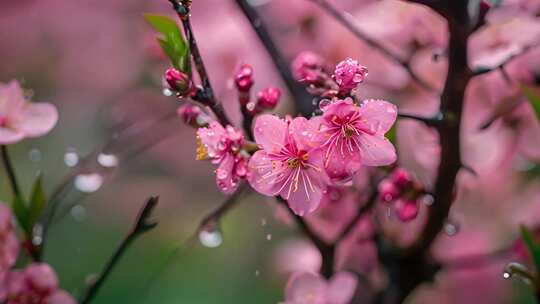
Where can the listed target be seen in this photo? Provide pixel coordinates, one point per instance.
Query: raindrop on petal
(88, 182)
(324, 103)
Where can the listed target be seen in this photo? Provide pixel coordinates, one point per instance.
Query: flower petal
(341, 288)
(10, 136)
(270, 132)
(305, 288)
(305, 132)
(376, 150)
(61, 297)
(380, 115)
(36, 119)
(262, 176)
(226, 181)
(11, 98)
(210, 137)
(303, 192)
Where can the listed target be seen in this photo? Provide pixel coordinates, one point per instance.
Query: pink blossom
(244, 78)
(37, 283)
(9, 246)
(353, 135)
(179, 82)
(406, 209)
(268, 98)
(223, 146)
(349, 73)
(311, 288)
(306, 67)
(20, 118)
(289, 163)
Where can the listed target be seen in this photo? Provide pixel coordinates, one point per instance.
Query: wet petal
(303, 192)
(341, 288)
(211, 136)
(36, 119)
(380, 115)
(270, 132)
(10, 136)
(264, 176)
(226, 181)
(305, 132)
(376, 151)
(305, 288)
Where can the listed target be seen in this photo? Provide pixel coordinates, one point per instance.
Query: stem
(10, 172)
(429, 121)
(215, 216)
(346, 21)
(208, 97)
(142, 225)
(302, 99)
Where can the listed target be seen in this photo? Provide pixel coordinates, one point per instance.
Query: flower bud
(349, 73)
(306, 67)
(388, 192)
(178, 81)
(268, 98)
(192, 115)
(244, 78)
(401, 178)
(406, 209)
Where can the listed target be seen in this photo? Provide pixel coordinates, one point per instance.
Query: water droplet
(36, 240)
(78, 212)
(451, 228)
(518, 270)
(257, 273)
(167, 92)
(210, 238)
(107, 160)
(71, 158)
(34, 155)
(427, 199)
(263, 222)
(88, 182)
(269, 237)
(507, 275)
(250, 106)
(324, 103)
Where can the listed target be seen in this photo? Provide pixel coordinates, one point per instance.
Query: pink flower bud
(306, 65)
(192, 115)
(268, 98)
(178, 81)
(401, 178)
(244, 78)
(388, 191)
(406, 209)
(349, 73)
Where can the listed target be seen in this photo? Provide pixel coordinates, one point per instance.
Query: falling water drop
(88, 182)
(210, 238)
(34, 155)
(257, 272)
(107, 160)
(269, 237)
(263, 222)
(507, 275)
(167, 92)
(71, 158)
(451, 228)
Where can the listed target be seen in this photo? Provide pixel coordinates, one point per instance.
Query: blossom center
(298, 161)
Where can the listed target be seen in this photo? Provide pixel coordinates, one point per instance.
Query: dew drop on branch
(167, 92)
(71, 158)
(451, 228)
(210, 238)
(88, 182)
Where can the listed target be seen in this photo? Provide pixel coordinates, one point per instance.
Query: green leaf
(38, 200)
(172, 42)
(533, 97)
(534, 248)
(22, 213)
(391, 134)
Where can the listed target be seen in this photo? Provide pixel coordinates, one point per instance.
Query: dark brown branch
(142, 225)
(205, 96)
(435, 121)
(345, 20)
(214, 217)
(10, 172)
(302, 99)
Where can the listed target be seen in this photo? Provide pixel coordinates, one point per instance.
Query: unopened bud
(192, 115)
(401, 178)
(268, 98)
(406, 209)
(349, 73)
(178, 81)
(244, 78)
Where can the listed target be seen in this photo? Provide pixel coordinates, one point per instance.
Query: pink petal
(340, 108)
(270, 132)
(341, 288)
(36, 119)
(41, 276)
(305, 197)
(61, 297)
(305, 288)
(380, 114)
(10, 136)
(305, 132)
(226, 181)
(376, 150)
(261, 177)
(340, 168)
(210, 137)
(11, 98)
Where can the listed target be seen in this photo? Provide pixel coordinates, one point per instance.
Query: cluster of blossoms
(267, 99)
(404, 192)
(37, 283)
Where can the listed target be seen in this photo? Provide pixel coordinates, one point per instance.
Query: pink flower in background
(404, 192)
(307, 66)
(37, 283)
(349, 73)
(289, 163)
(353, 135)
(311, 288)
(223, 146)
(20, 118)
(9, 246)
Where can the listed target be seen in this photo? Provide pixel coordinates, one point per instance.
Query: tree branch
(142, 225)
(10, 172)
(434, 121)
(346, 21)
(302, 99)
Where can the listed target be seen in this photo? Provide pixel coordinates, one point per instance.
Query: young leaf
(37, 201)
(162, 24)
(172, 42)
(21, 213)
(533, 98)
(532, 246)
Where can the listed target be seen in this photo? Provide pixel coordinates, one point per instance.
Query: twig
(346, 21)
(10, 172)
(208, 97)
(434, 121)
(500, 66)
(327, 250)
(142, 225)
(215, 216)
(301, 97)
